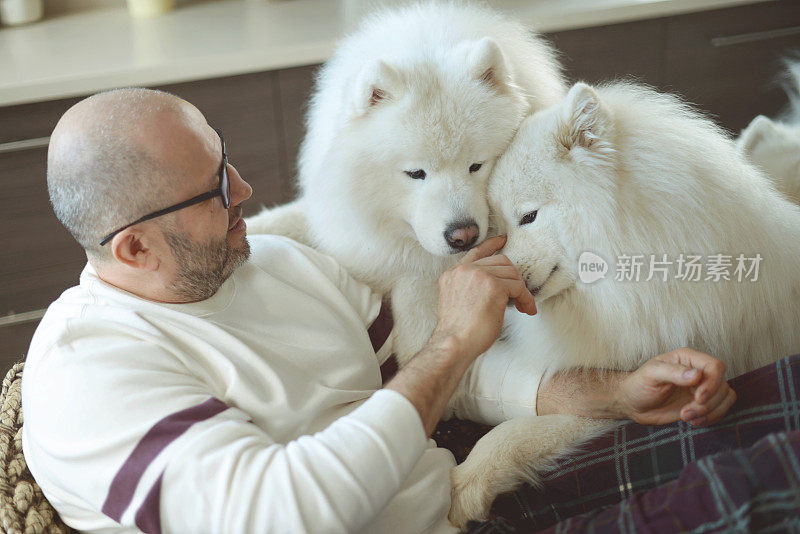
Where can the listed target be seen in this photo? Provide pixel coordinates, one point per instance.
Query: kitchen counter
(80, 53)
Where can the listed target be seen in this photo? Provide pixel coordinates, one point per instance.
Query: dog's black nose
(462, 235)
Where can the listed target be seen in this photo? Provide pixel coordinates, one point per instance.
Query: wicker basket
(23, 507)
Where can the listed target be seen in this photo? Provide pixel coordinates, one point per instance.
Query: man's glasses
(224, 191)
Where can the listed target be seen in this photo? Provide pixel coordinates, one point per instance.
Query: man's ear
(759, 130)
(586, 123)
(485, 62)
(377, 84)
(132, 248)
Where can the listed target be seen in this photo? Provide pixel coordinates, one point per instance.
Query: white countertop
(80, 53)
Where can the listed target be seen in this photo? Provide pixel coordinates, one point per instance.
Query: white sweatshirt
(257, 410)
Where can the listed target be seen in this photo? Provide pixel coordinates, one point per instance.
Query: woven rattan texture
(23, 507)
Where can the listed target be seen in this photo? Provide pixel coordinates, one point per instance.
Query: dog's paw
(470, 496)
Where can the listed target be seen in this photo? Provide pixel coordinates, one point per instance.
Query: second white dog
(623, 175)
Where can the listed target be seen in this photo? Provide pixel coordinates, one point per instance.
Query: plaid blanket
(756, 489)
(743, 479)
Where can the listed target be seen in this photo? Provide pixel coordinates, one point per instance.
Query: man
(192, 384)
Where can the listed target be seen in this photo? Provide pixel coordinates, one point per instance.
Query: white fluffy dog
(621, 171)
(406, 122)
(775, 145)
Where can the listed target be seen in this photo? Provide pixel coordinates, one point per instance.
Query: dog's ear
(759, 130)
(377, 84)
(586, 123)
(486, 63)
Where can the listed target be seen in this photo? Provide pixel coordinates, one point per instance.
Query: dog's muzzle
(462, 235)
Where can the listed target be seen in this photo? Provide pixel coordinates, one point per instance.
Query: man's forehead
(169, 128)
(201, 154)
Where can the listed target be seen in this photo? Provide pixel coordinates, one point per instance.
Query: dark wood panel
(294, 86)
(243, 107)
(29, 121)
(15, 340)
(38, 258)
(629, 50)
(736, 82)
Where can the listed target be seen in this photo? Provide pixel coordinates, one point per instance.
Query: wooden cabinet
(294, 87)
(724, 61)
(15, 340)
(38, 258)
(727, 62)
(632, 50)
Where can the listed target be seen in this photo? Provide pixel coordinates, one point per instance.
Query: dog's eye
(475, 167)
(528, 218)
(419, 174)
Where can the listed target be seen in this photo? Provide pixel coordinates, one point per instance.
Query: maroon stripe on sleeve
(157, 438)
(388, 369)
(381, 327)
(148, 516)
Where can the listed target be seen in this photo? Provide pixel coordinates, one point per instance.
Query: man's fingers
(713, 378)
(494, 259)
(523, 309)
(695, 408)
(506, 272)
(501, 268)
(487, 248)
(718, 412)
(713, 369)
(523, 300)
(672, 373)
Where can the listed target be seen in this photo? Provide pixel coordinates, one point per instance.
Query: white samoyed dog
(620, 171)
(775, 145)
(405, 124)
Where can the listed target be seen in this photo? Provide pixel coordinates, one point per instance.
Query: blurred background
(249, 65)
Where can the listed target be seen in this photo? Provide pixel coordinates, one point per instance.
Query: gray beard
(203, 267)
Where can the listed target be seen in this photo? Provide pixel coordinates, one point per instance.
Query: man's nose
(240, 190)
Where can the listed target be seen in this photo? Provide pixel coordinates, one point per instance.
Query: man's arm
(683, 384)
(160, 449)
(473, 297)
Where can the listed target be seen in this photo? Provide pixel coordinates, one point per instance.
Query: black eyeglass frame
(224, 191)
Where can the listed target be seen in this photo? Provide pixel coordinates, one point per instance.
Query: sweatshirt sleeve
(229, 476)
(161, 453)
(498, 386)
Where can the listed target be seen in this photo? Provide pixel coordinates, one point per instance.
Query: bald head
(110, 160)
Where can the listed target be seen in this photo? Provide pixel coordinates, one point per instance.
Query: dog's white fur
(775, 145)
(616, 170)
(435, 86)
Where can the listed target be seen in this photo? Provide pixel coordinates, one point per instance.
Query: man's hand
(473, 296)
(683, 384)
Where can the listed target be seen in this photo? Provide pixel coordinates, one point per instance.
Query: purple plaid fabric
(756, 489)
(725, 490)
